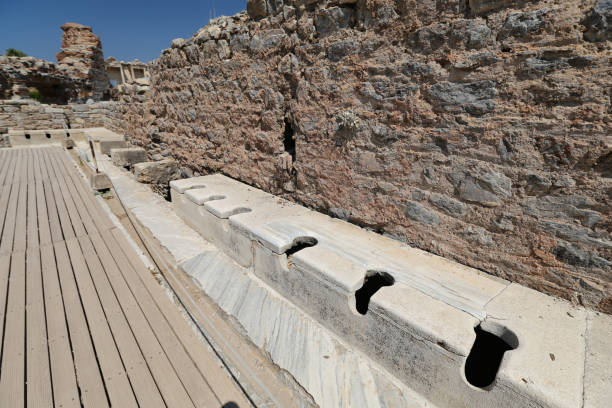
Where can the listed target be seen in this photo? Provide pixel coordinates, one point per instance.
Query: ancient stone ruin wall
(82, 57)
(31, 115)
(18, 74)
(79, 75)
(478, 130)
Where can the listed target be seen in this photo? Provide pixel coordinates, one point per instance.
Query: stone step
(128, 156)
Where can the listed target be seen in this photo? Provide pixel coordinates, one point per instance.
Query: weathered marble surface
(330, 371)
(277, 224)
(333, 374)
(155, 213)
(421, 329)
(597, 368)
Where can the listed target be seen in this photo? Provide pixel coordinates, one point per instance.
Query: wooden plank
(65, 391)
(116, 380)
(32, 217)
(22, 165)
(163, 370)
(44, 232)
(6, 164)
(81, 214)
(5, 263)
(88, 372)
(30, 165)
(194, 380)
(64, 219)
(44, 173)
(5, 194)
(77, 225)
(36, 158)
(20, 240)
(104, 221)
(12, 371)
(101, 218)
(3, 165)
(16, 167)
(44, 229)
(222, 385)
(8, 232)
(144, 386)
(10, 176)
(38, 374)
(53, 215)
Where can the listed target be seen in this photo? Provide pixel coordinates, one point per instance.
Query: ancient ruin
(407, 187)
(79, 75)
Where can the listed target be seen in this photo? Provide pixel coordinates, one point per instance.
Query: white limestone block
(598, 365)
(333, 373)
(421, 329)
(183, 185)
(548, 364)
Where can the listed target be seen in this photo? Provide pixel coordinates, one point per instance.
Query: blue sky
(129, 29)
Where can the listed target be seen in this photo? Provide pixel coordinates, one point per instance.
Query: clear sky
(129, 29)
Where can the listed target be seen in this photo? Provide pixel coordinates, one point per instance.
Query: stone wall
(31, 115)
(477, 130)
(54, 84)
(82, 57)
(79, 75)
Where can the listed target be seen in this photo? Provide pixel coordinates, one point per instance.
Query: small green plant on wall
(34, 94)
(13, 52)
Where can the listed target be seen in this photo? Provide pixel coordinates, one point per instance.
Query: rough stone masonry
(79, 75)
(82, 57)
(478, 130)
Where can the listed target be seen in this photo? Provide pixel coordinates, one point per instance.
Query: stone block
(434, 304)
(418, 213)
(68, 143)
(519, 24)
(157, 172)
(597, 369)
(548, 362)
(80, 107)
(257, 8)
(332, 19)
(100, 181)
(486, 6)
(107, 145)
(127, 157)
(598, 21)
(475, 98)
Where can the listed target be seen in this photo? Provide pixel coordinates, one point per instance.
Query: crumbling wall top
(82, 57)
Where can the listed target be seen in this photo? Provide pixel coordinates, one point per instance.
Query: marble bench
(39, 137)
(455, 335)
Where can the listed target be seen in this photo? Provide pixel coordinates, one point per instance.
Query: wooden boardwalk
(84, 322)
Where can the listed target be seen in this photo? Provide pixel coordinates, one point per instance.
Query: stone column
(121, 71)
